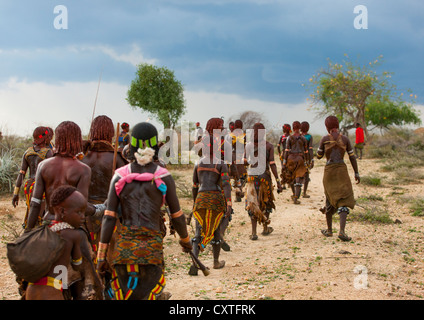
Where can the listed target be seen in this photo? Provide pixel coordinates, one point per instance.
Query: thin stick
(201, 266)
(115, 151)
(95, 100)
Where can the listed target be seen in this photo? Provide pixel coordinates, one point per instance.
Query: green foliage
(383, 113)
(9, 167)
(346, 90)
(371, 181)
(157, 91)
(417, 207)
(371, 210)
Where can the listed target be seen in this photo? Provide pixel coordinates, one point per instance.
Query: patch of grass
(415, 204)
(405, 175)
(417, 207)
(399, 147)
(9, 168)
(371, 180)
(372, 214)
(11, 229)
(370, 198)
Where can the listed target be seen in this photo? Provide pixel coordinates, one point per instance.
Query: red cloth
(359, 135)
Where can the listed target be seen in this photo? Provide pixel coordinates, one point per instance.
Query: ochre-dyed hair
(208, 140)
(238, 124)
(102, 129)
(304, 126)
(296, 125)
(331, 122)
(68, 139)
(60, 194)
(51, 132)
(214, 123)
(40, 135)
(286, 128)
(256, 127)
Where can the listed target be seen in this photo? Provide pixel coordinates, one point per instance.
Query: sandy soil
(295, 262)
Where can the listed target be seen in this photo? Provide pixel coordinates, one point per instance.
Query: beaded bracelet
(101, 253)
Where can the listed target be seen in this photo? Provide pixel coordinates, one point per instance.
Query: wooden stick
(95, 101)
(201, 266)
(115, 151)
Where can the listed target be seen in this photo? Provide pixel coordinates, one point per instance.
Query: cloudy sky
(230, 55)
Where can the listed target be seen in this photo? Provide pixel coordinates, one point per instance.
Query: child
(69, 207)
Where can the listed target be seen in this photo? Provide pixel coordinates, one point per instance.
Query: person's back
(335, 145)
(101, 164)
(209, 175)
(57, 171)
(297, 144)
(141, 200)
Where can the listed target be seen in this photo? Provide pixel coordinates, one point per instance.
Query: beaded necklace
(57, 226)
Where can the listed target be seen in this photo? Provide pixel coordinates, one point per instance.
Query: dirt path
(295, 262)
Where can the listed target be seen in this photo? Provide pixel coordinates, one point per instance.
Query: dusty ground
(295, 262)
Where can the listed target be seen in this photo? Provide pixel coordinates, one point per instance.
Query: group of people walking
(109, 202)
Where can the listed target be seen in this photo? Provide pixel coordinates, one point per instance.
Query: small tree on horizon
(350, 92)
(157, 91)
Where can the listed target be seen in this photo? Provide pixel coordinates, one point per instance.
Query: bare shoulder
(345, 138)
(45, 163)
(325, 138)
(73, 235)
(83, 166)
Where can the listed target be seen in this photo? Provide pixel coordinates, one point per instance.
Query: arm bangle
(16, 191)
(101, 253)
(77, 262)
(186, 239)
(109, 213)
(177, 214)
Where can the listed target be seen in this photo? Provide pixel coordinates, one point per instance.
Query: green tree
(157, 91)
(385, 113)
(347, 89)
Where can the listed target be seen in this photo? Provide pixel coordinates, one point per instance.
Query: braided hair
(40, 135)
(331, 122)
(304, 126)
(60, 194)
(256, 127)
(238, 124)
(209, 139)
(296, 125)
(102, 129)
(286, 128)
(68, 139)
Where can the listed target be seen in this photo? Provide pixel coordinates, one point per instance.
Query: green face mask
(144, 143)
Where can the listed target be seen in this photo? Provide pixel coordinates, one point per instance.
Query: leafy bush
(417, 207)
(371, 180)
(12, 148)
(9, 168)
(397, 145)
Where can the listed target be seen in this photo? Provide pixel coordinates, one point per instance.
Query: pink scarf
(127, 177)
